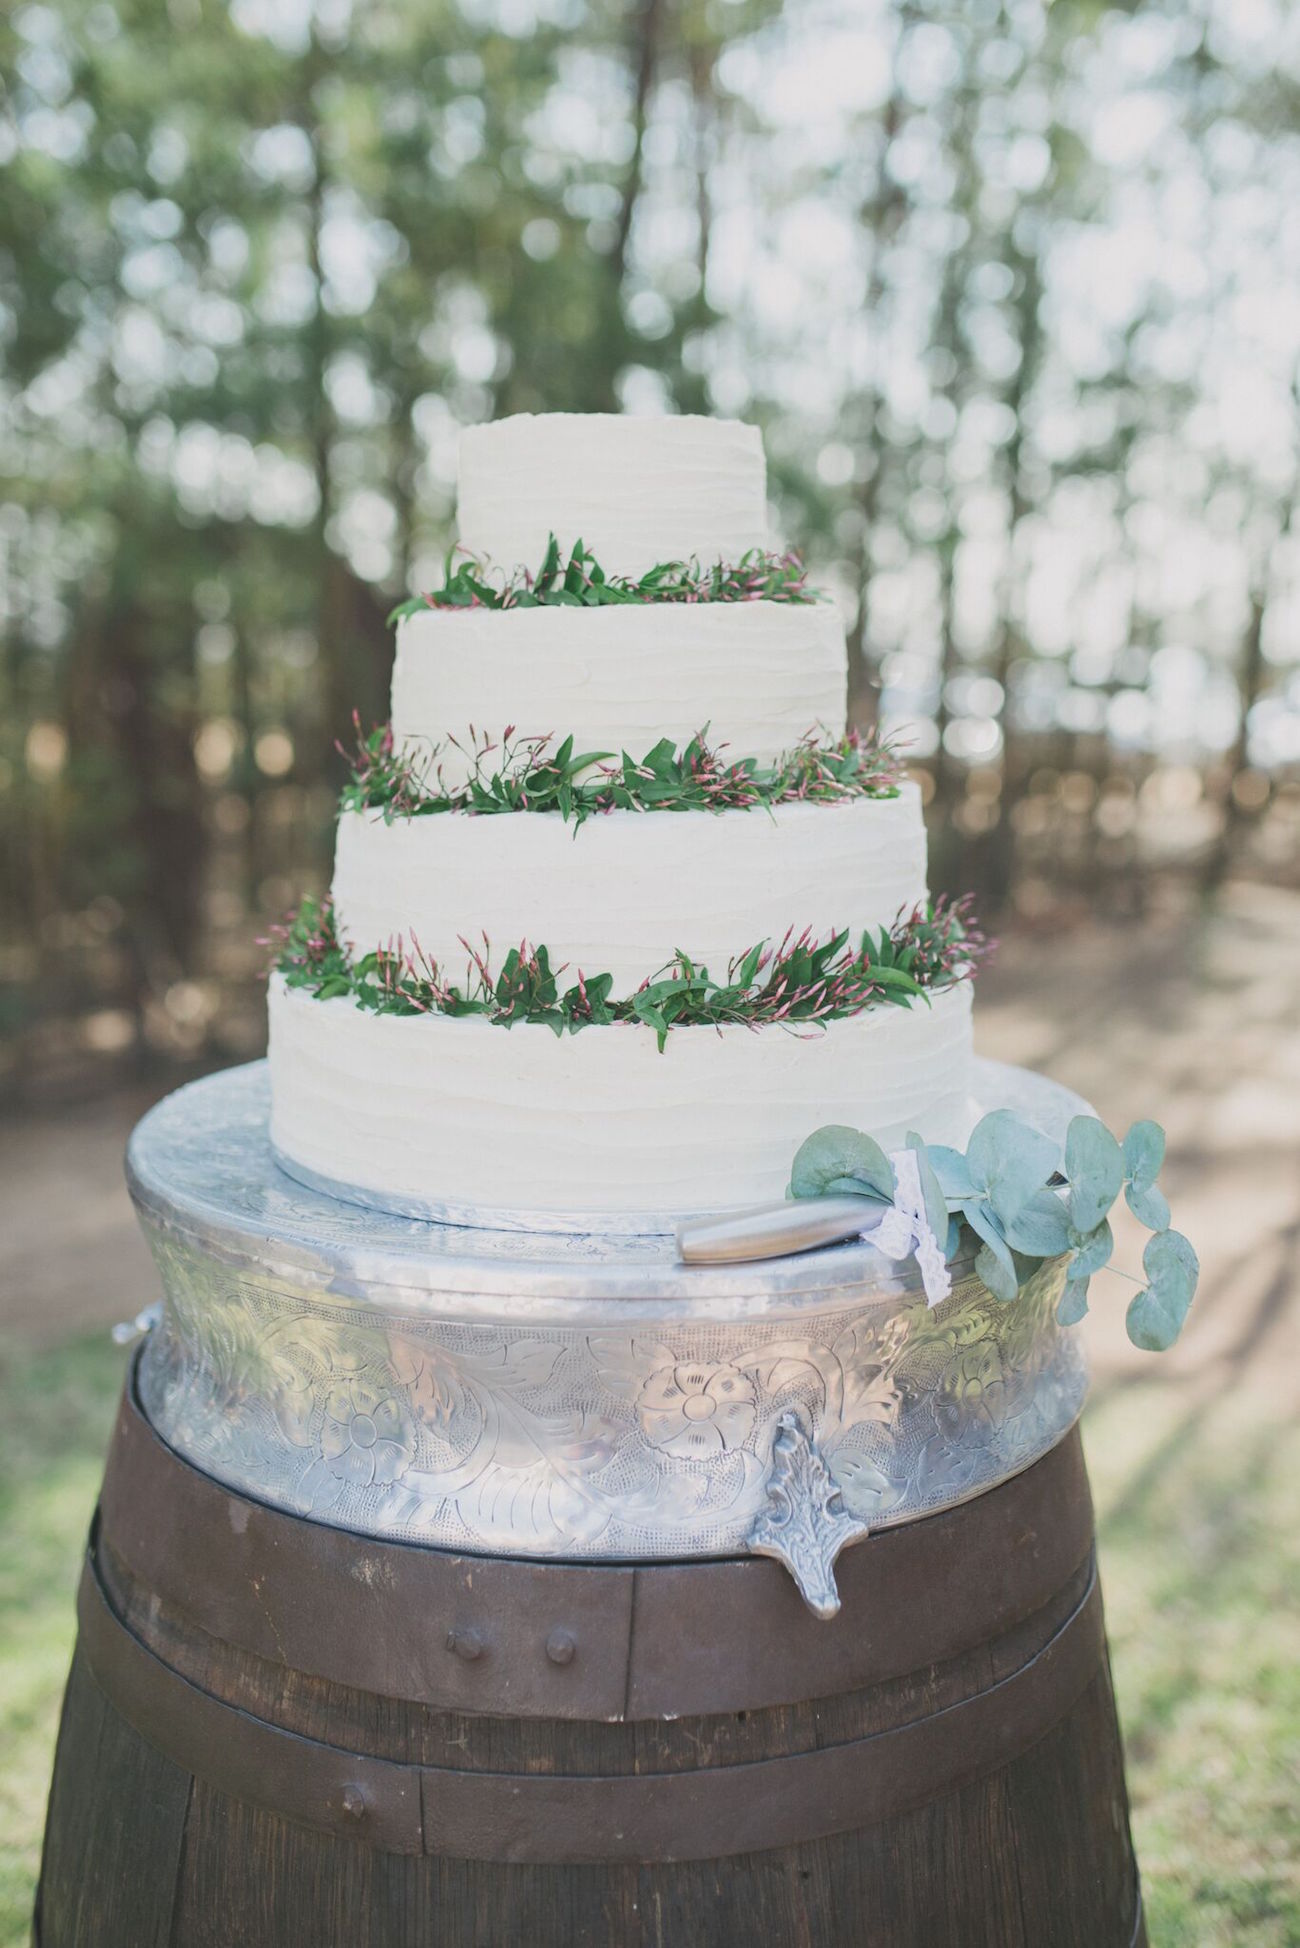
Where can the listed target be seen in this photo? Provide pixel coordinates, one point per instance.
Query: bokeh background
(1013, 289)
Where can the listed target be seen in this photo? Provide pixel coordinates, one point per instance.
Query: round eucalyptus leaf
(936, 1204)
(1144, 1152)
(836, 1153)
(998, 1274)
(1092, 1250)
(854, 1187)
(1149, 1205)
(1009, 1160)
(1027, 1267)
(1094, 1164)
(1041, 1229)
(952, 1170)
(1074, 1302)
(1156, 1316)
(993, 1262)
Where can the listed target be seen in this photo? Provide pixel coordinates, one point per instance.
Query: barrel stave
(116, 1830)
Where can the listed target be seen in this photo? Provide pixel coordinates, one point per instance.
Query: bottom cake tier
(433, 1115)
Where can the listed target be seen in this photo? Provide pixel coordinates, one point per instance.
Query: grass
(1200, 1555)
(56, 1410)
(1201, 1560)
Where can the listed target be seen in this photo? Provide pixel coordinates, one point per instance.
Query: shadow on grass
(1229, 1365)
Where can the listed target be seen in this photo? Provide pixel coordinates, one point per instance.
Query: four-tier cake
(620, 909)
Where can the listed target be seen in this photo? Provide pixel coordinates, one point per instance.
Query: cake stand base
(284, 1735)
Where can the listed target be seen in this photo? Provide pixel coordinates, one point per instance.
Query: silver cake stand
(573, 1395)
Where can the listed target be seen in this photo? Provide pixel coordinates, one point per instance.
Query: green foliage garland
(1025, 1200)
(535, 774)
(801, 982)
(581, 583)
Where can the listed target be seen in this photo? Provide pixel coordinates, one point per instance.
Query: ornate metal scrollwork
(576, 1398)
(804, 1523)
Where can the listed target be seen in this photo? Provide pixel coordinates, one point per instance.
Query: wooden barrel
(279, 1734)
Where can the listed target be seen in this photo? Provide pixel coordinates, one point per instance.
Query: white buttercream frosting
(636, 491)
(622, 892)
(463, 1110)
(431, 1109)
(761, 675)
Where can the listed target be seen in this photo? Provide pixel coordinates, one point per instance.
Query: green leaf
(953, 1172)
(1000, 1277)
(1092, 1250)
(414, 606)
(1010, 1160)
(1149, 1205)
(1094, 1165)
(993, 1261)
(1073, 1302)
(550, 567)
(1155, 1317)
(1026, 1268)
(1144, 1152)
(895, 977)
(747, 972)
(854, 1187)
(936, 1204)
(838, 1154)
(1041, 1228)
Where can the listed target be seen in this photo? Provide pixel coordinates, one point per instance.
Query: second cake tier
(760, 676)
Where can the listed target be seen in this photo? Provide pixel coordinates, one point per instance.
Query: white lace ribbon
(905, 1228)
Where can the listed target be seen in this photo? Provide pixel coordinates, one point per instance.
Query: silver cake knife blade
(773, 1230)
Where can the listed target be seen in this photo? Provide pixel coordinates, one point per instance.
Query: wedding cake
(620, 911)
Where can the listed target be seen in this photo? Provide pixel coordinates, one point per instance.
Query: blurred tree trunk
(882, 216)
(999, 852)
(318, 417)
(119, 715)
(1233, 815)
(948, 340)
(644, 60)
(1252, 676)
(704, 104)
(610, 349)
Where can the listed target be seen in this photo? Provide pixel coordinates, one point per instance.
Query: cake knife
(774, 1230)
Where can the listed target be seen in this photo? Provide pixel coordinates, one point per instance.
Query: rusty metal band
(584, 1819)
(663, 1640)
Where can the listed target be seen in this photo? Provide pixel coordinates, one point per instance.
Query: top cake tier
(637, 491)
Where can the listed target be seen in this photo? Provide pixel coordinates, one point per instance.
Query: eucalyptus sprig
(1026, 1200)
(802, 981)
(579, 582)
(537, 774)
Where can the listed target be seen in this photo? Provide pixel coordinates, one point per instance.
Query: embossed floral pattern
(537, 1437)
(694, 1411)
(969, 1397)
(367, 1436)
